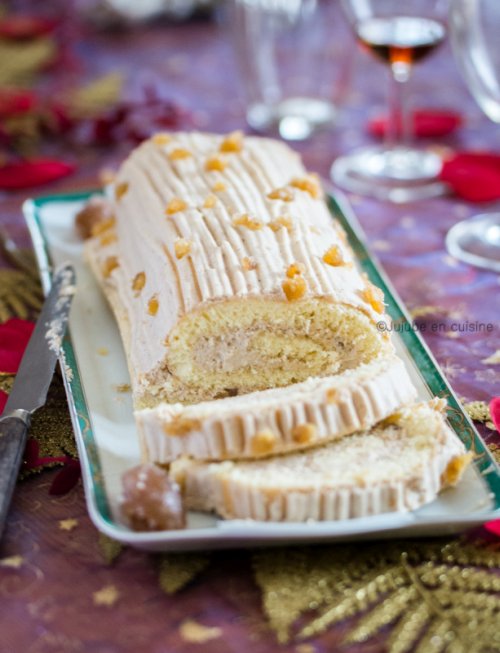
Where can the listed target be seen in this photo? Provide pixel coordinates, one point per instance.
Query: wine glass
(400, 33)
(475, 32)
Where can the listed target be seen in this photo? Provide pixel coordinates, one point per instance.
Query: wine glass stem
(399, 128)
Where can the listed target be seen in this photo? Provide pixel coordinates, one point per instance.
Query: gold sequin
(178, 569)
(107, 596)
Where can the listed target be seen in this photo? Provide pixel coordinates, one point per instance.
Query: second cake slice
(278, 420)
(400, 465)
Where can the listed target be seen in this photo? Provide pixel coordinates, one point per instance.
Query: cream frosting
(213, 269)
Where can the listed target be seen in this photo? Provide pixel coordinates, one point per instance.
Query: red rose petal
(3, 400)
(473, 176)
(31, 453)
(66, 479)
(25, 26)
(493, 527)
(37, 172)
(495, 412)
(14, 102)
(14, 336)
(426, 123)
(476, 158)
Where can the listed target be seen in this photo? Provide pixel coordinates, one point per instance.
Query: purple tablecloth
(48, 600)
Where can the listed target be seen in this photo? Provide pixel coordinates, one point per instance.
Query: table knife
(32, 382)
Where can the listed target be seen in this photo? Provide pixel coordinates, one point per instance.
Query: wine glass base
(398, 175)
(477, 241)
(294, 119)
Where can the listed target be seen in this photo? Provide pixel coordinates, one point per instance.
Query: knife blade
(32, 382)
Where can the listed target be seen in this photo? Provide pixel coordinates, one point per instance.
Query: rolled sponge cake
(227, 273)
(274, 421)
(398, 466)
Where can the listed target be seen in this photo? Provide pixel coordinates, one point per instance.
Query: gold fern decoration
(21, 61)
(437, 596)
(176, 570)
(96, 97)
(20, 291)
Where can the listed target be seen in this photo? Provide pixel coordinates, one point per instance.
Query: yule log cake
(263, 380)
(227, 273)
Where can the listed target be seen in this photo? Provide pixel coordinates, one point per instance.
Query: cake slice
(227, 273)
(400, 465)
(278, 420)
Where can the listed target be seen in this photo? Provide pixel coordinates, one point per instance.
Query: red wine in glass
(400, 39)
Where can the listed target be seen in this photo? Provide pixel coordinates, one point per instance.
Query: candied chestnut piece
(96, 210)
(151, 500)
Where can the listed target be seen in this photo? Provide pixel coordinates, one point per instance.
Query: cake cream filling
(242, 347)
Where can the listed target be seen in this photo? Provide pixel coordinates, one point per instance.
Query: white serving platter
(95, 373)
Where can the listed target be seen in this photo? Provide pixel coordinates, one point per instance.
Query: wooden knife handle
(13, 435)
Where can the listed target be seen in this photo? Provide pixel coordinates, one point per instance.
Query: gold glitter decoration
(96, 97)
(123, 388)
(68, 524)
(477, 411)
(22, 60)
(439, 595)
(6, 381)
(51, 426)
(178, 569)
(305, 648)
(422, 311)
(196, 633)
(20, 294)
(494, 359)
(106, 596)
(12, 562)
(110, 549)
(495, 451)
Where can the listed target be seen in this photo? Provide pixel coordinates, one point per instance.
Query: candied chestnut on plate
(151, 500)
(93, 216)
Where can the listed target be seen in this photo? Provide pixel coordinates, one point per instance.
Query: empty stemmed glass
(401, 33)
(475, 34)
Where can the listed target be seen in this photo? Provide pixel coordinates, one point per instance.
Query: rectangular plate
(95, 369)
